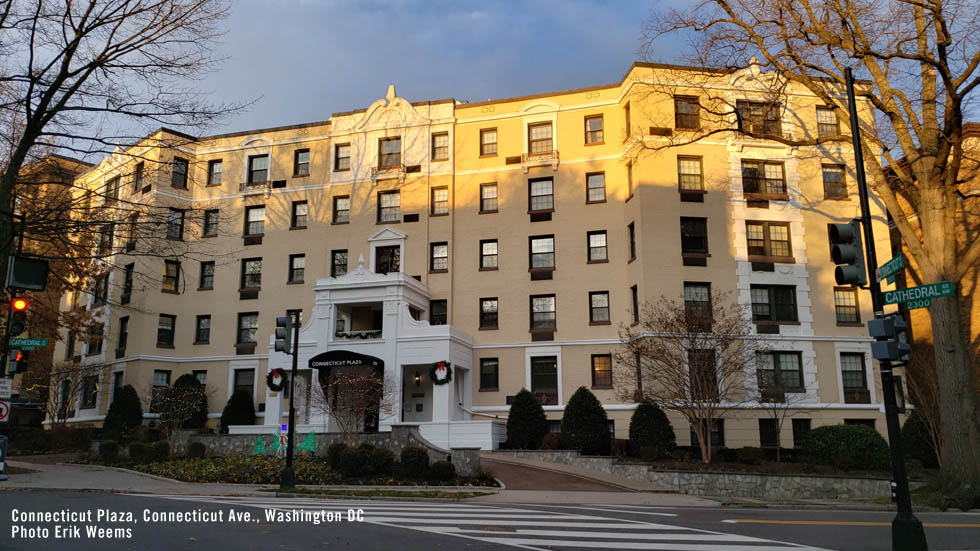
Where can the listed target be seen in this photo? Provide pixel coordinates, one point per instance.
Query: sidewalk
(608, 479)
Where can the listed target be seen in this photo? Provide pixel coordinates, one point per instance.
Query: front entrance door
(416, 394)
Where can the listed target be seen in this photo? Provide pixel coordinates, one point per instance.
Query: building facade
(510, 238)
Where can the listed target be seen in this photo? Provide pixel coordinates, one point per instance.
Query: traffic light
(18, 316)
(18, 360)
(891, 340)
(284, 328)
(848, 253)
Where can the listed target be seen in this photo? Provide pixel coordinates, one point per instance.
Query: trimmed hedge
(333, 454)
(252, 469)
(139, 452)
(108, 452)
(354, 461)
(415, 461)
(526, 422)
(442, 471)
(125, 413)
(651, 434)
(238, 411)
(381, 461)
(847, 447)
(197, 450)
(585, 426)
(160, 451)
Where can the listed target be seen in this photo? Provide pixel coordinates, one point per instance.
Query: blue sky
(305, 59)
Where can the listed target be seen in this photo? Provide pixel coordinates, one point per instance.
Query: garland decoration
(441, 373)
(276, 379)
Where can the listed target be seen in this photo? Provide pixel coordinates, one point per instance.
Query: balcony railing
(389, 171)
(543, 158)
(369, 334)
(252, 188)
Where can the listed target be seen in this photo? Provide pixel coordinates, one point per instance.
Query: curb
(290, 495)
(582, 476)
(130, 471)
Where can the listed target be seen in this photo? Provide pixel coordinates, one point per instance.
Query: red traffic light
(17, 355)
(19, 304)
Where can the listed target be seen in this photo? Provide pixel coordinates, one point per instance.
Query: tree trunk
(958, 402)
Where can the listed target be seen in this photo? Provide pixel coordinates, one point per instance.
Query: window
(768, 433)
(439, 257)
(171, 276)
(763, 178)
(686, 112)
(251, 273)
(215, 169)
(595, 187)
(488, 313)
(297, 267)
(341, 157)
(138, 177)
(338, 262)
(834, 186)
(779, 371)
(827, 122)
(123, 333)
(161, 378)
(106, 238)
(488, 142)
(635, 303)
(178, 173)
(601, 371)
(593, 129)
(440, 146)
(165, 331)
(694, 235)
(488, 254)
(440, 201)
(244, 381)
(101, 289)
(800, 429)
(598, 252)
(539, 138)
(437, 312)
(258, 168)
(301, 210)
(202, 330)
(117, 383)
(90, 391)
(846, 305)
(488, 198)
(542, 249)
(175, 224)
(248, 326)
(133, 224)
(631, 230)
(70, 347)
(255, 220)
(112, 190)
(341, 210)
(389, 152)
(689, 174)
(697, 305)
(389, 206)
(768, 239)
(544, 379)
(773, 303)
(93, 345)
(626, 115)
(210, 223)
(207, 276)
(702, 369)
(301, 162)
(489, 373)
(541, 195)
(127, 289)
(387, 259)
(854, 379)
(759, 118)
(201, 375)
(599, 308)
(543, 316)
(629, 179)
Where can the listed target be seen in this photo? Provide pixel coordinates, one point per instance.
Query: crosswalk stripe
(626, 535)
(572, 523)
(637, 545)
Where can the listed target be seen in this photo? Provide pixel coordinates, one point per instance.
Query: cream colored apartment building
(510, 238)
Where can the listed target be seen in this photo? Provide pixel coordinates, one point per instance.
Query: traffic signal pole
(907, 531)
(288, 479)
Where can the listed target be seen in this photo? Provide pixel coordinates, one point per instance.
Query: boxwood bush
(139, 452)
(526, 422)
(333, 454)
(847, 447)
(196, 450)
(108, 452)
(651, 434)
(442, 471)
(381, 461)
(415, 461)
(585, 426)
(124, 415)
(238, 411)
(354, 461)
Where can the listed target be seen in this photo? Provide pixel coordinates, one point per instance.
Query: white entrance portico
(381, 316)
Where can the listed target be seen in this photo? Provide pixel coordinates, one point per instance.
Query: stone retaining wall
(757, 485)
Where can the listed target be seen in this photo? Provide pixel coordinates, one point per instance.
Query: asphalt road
(264, 523)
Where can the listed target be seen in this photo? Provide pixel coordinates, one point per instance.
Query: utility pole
(907, 531)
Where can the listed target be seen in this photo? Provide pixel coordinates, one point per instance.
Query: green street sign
(891, 267)
(920, 293)
(29, 344)
(921, 303)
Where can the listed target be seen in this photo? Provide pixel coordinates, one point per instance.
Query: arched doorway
(352, 388)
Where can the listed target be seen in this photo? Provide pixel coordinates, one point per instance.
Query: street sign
(4, 411)
(6, 386)
(919, 294)
(890, 267)
(29, 344)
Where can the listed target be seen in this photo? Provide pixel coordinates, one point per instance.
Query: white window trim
(869, 369)
(535, 351)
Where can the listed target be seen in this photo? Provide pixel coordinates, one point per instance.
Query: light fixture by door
(418, 378)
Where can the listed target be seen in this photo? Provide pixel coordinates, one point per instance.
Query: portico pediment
(386, 234)
(390, 112)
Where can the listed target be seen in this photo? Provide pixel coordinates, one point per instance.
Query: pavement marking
(613, 510)
(846, 523)
(623, 536)
(634, 545)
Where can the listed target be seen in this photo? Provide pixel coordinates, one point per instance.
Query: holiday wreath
(276, 379)
(441, 373)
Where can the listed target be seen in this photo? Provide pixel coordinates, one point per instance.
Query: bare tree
(779, 406)
(351, 395)
(68, 388)
(176, 404)
(921, 65)
(693, 360)
(920, 376)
